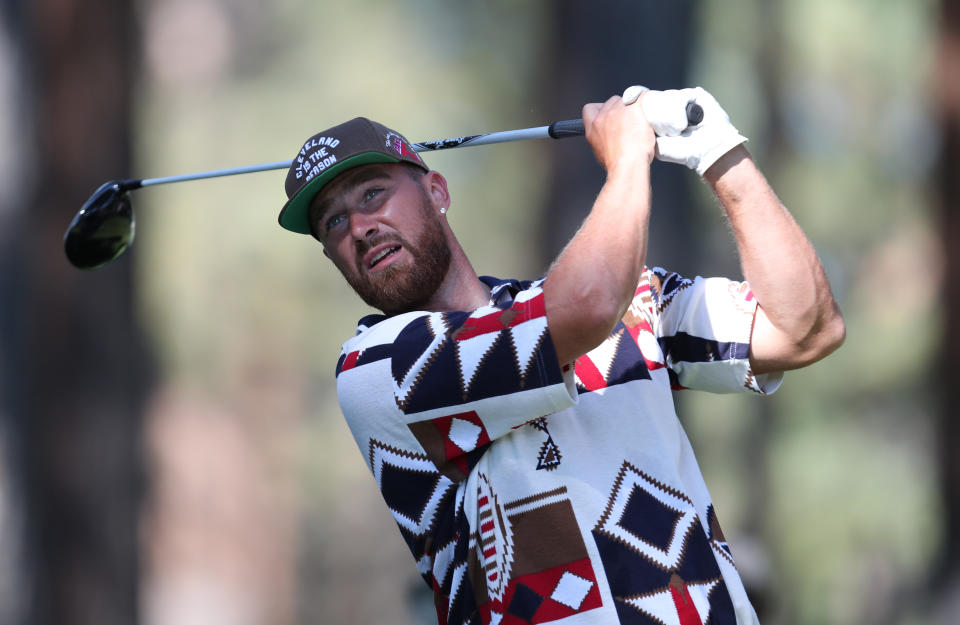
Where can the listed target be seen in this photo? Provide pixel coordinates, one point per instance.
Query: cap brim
(295, 214)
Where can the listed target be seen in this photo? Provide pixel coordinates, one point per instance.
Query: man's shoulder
(498, 284)
(374, 339)
(499, 287)
(376, 330)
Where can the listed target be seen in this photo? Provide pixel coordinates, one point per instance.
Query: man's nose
(363, 225)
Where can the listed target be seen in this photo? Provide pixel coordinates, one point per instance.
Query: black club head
(103, 229)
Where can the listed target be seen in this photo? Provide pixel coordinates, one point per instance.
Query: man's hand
(697, 147)
(620, 135)
(665, 110)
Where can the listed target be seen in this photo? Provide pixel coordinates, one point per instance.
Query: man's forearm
(593, 281)
(799, 321)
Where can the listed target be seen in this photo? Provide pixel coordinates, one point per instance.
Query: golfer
(523, 433)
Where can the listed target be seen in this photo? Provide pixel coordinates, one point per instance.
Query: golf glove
(665, 110)
(700, 146)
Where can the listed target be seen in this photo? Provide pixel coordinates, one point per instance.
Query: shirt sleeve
(704, 328)
(454, 380)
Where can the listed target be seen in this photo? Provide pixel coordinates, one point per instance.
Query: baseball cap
(333, 151)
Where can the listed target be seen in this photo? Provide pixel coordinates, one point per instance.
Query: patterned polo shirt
(528, 492)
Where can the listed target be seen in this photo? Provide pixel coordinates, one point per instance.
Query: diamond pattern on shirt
(571, 590)
(659, 560)
(649, 518)
(454, 443)
(464, 434)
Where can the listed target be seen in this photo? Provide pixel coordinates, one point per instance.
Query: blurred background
(171, 449)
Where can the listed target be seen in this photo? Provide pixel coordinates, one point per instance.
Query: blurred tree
(13, 109)
(946, 579)
(73, 365)
(595, 50)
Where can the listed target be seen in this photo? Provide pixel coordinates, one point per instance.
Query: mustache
(366, 245)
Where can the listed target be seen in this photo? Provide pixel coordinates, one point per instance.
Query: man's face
(379, 227)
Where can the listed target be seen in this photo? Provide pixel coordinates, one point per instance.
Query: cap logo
(314, 157)
(400, 146)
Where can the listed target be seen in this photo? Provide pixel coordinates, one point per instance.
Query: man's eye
(371, 193)
(333, 221)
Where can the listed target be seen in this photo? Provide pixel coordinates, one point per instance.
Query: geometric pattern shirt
(528, 492)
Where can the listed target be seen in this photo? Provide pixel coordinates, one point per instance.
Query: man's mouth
(382, 255)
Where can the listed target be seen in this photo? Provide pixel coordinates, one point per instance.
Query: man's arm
(798, 321)
(590, 286)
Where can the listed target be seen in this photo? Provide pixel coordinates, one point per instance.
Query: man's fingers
(631, 93)
(666, 111)
(617, 133)
(594, 109)
(589, 113)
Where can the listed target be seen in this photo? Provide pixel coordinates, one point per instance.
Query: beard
(400, 287)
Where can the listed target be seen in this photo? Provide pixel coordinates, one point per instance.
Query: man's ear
(436, 186)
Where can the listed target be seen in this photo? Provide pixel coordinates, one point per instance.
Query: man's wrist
(725, 165)
(630, 167)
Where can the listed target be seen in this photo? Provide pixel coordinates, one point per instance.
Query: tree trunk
(947, 91)
(74, 364)
(598, 49)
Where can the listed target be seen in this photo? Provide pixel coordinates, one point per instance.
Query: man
(523, 434)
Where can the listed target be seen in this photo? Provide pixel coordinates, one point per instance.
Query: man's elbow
(826, 338)
(774, 350)
(597, 322)
(578, 327)
(838, 330)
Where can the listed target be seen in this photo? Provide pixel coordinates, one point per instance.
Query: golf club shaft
(216, 173)
(557, 130)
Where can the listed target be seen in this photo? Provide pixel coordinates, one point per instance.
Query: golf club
(104, 227)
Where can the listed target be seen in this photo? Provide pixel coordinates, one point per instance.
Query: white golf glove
(698, 147)
(665, 110)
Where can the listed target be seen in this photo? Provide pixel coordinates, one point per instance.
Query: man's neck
(461, 289)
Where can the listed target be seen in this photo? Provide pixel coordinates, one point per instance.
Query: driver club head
(103, 229)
